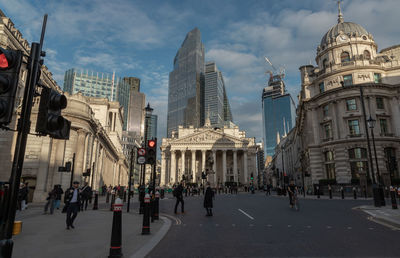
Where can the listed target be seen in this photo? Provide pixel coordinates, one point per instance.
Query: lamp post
(148, 111)
(371, 124)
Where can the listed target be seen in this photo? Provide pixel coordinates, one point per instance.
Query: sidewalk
(384, 215)
(45, 236)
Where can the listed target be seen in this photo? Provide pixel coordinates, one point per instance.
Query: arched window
(325, 63)
(367, 55)
(345, 57)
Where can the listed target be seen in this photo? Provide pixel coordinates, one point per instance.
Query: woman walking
(208, 200)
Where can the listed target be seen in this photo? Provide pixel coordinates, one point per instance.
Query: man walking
(208, 200)
(86, 194)
(72, 200)
(59, 192)
(179, 197)
(50, 200)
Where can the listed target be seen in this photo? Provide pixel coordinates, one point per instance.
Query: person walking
(59, 193)
(22, 196)
(86, 194)
(208, 200)
(50, 200)
(291, 190)
(72, 200)
(179, 198)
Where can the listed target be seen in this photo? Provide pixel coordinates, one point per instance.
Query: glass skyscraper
(216, 103)
(279, 113)
(185, 84)
(153, 127)
(99, 85)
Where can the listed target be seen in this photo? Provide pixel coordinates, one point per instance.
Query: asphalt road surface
(254, 225)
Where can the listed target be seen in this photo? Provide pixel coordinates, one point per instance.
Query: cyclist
(292, 190)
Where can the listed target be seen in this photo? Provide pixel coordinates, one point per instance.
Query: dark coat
(69, 194)
(179, 191)
(208, 198)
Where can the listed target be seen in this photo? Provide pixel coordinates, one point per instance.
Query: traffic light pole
(72, 171)
(130, 181)
(24, 124)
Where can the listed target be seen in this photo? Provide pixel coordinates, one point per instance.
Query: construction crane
(281, 72)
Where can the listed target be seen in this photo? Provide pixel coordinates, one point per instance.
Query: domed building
(351, 84)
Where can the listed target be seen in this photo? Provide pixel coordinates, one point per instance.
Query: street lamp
(371, 124)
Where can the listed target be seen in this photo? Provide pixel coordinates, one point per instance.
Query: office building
(279, 112)
(99, 85)
(185, 84)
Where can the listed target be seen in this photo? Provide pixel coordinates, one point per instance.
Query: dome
(348, 28)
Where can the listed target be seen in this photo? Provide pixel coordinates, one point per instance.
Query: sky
(141, 38)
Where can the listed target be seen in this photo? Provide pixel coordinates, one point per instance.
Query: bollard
(108, 197)
(146, 215)
(342, 192)
(156, 206)
(318, 195)
(393, 197)
(152, 208)
(96, 201)
(355, 193)
(141, 200)
(124, 196)
(112, 201)
(330, 193)
(116, 232)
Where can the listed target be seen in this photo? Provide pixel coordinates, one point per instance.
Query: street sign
(141, 151)
(141, 160)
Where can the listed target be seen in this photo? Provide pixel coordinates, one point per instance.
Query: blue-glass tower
(279, 113)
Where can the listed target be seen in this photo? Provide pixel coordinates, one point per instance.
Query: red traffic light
(3, 61)
(151, 143)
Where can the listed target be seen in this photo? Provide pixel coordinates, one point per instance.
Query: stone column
(235, 168)
(214, 152)
(79, 156)
(245, 166)
(163, 176)
(203, 161)
(172, 173)
(183, 163)
(44, 153)
(194, 165)
(223, 167)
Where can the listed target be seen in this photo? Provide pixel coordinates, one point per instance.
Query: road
(247, 225)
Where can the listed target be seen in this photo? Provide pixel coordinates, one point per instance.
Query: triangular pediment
(210, 137)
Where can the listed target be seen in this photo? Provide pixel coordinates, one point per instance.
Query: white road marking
(200, 225)
(349, 227)
(216, 225)
(269, 225)
(289, 226)
(233, 225)
(328, 227)
(370, 228)
(251, 225)
(308, 226)
(246, 214)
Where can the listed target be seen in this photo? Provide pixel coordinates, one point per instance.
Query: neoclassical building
(96, 129)
(329, 141)
(224, 154)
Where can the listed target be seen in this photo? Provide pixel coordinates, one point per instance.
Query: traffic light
(49, 120)
(251, 176)
(10, 64)
(151, 152)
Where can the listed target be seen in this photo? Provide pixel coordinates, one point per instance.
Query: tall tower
(137, 101)
(215, 98)
(185, 84)
(279, 112)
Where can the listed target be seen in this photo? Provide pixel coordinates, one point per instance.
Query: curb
(379, 219)
(146, 249)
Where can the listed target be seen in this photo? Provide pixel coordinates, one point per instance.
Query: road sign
(141, 151)
(141, 160)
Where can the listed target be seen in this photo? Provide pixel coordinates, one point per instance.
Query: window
(329, 165)
(321, 87)
(358, 153)
(325, 110)
(325, 63)
(354, 127)
(345, 57)
(377, 78)
(367, 55)
(328, 131)
(351, 104)
(384, 126)
(379, 103)
(391, 162)
(347, 80)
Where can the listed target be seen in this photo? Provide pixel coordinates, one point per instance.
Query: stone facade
(94, 144)
(190, 150)
(330, 116)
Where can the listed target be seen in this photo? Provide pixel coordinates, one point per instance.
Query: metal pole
(72, 171)
(24, 124)
(130, 180)
(92, 176)
(376, 158)
(366, 133)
